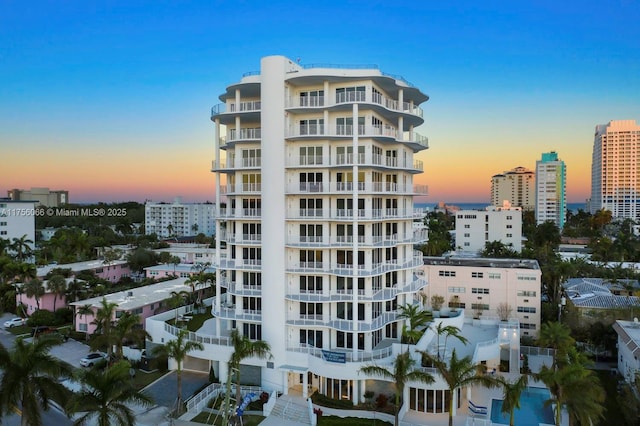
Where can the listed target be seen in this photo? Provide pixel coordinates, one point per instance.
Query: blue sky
(111, 99)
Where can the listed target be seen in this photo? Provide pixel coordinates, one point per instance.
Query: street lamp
(563, 303)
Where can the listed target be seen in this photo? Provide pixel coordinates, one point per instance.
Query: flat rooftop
(180, 267)
(141, 296)
(482, 262)
(78, 266)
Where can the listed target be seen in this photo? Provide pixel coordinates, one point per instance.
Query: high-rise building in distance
(551, 202)
(517, 186)
(615, 169)
(42, 196)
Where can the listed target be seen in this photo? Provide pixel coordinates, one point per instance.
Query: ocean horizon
(573, 207)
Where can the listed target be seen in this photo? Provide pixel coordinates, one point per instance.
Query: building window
(467, 226)
(476, 290)
(252, 331)
(457, 289)
(509, 226)
(467, 244)
(526, 293)
(527, 326)
(494, 276)
(527, 309)
(82, 327)
(526, 278)
(350, 94)
(467, 235)
(480, 306)
(344, 340)
(311, 338)
(136, 311)
(447, 273)
(477, 275)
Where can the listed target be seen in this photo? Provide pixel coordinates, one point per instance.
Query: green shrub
(63, 316)
(41, 317)
(325, 401)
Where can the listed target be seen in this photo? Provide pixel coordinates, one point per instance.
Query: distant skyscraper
(615, 169)
(515, 186)
(42, 196)
(551, 203)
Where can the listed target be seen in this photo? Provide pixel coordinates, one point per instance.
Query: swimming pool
(532, 411)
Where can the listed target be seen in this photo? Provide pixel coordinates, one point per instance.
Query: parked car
(92, 358)
(41, 330)
(14, 322)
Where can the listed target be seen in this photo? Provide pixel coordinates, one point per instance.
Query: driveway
(164, 390)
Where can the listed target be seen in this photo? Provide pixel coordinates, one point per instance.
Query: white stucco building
(615, 177)
(315, 246)
(480, 285)
(628, 348)
(17, 220)
(475, 228)
(179, 219)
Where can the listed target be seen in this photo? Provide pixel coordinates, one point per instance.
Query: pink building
(181, 270)
(143, 301)
(46, 302)
(112, 272)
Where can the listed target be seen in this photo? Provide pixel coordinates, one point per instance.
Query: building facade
(42, 196)
(316, 260)
(18, 220)
(628, 349)
(615, 169)
(551, 185)
(179, 219)
(516, 186)
(475, 228)
(481, 285)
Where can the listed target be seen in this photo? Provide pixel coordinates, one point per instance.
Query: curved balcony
(351, 214)
(341, 324)
(362, 356)
(368, 241)
(226, 112)
(243, 264)
(230, 164)
(349, 160)
(341, 269)
(229, 213)
(304, 188)
(242, 135)
(240, 189)
(230, 312)
(244, 239)
(238, 289)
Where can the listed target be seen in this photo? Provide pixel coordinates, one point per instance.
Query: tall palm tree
(447, 331)
(574, 387)
(104, 325)
(458, 373)
(106, 397)
(31, 378)
(243, 348)
(404, 370)
(511, 395)
(58, 286)
(128, 327)
(557, 336)
(22, 247)
(178, 349)
(416, 318)
(34, 288)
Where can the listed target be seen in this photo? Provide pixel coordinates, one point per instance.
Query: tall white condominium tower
(516, 186)
(615, 169)
(314, 185)
(551, 200)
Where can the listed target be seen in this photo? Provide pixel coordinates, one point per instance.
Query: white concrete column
(223, 369)
(354, 233)
(305, 385)
(355, 395)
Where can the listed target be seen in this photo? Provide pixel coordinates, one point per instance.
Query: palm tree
(558, 337)
(458, 373)
(243, 348)
(84, 311)
(22, 247)
(417, 320)
(31, 378)
(128, 327)
(58, 286)
(446, 331)
(104, 325)
(106, 397)
(404, 370)
(34, 288)
(178, 349)
(511, 395)
(575, 387)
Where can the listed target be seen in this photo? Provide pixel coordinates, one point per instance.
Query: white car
(14, 322)
(92, 358)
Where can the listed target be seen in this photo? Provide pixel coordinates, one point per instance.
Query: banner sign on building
(338, 357)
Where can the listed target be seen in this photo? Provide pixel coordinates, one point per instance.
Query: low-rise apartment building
(475, 228)
(482, 285)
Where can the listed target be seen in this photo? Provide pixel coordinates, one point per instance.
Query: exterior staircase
(291, 409)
